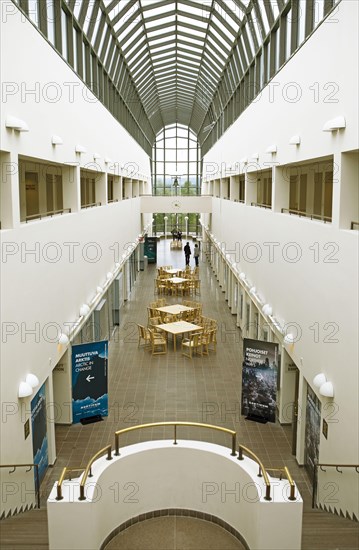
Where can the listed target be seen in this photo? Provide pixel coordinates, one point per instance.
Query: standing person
(196, 254)
(187, 252)
(180, 236)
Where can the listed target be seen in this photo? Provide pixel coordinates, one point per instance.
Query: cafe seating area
(177, 282)
(166, 316)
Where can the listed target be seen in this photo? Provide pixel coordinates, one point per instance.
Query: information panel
(39, 431)
(89, 380)
(259, 379)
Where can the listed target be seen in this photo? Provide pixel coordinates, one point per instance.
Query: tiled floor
(175, 533)
(205, 389)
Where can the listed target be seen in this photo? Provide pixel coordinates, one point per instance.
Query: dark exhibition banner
(259, 379)
(39, 431)
(89, 380)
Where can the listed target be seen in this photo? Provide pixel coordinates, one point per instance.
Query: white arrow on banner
(89, 378)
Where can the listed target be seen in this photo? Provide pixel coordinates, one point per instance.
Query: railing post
(117, 445)
(315, 481)
(82, 493)
(37, 481)
(109, 454)
(267, 497)
(260, 472)
(175, 434)
(240, 453)
(234, 441)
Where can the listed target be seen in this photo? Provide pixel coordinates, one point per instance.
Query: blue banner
(39, 431)
(89, 380)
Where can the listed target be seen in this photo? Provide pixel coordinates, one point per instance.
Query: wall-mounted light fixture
(337, 123)
(271, 149)
(80, 149)
(56, 140)
(84, 310)
(327, 389)
(255, 156)
(24, 390)
(289, 339)
(295, 140)
(267, 309)
(17, 124)
(319, 379)
(63, 339)
(32, 380)
(96, 156)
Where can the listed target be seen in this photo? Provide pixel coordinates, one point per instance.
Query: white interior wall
(311, 281)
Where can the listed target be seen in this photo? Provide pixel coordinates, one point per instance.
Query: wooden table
(177, 280)
(176, 309)
(178, 327)
(172, 271)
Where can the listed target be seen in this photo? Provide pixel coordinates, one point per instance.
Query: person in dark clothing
(187, 252)
(196, 254)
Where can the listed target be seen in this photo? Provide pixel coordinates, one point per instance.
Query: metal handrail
(91, 205)
(88, 472)
(321, 465)
(303, 214)
(62, 478)
(261, 205)
(37, 479)
(175, 424)
(289, 478)
(47, 214)
(262, 469)
(353, 224)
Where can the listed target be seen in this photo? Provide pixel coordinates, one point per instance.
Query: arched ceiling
(176, 53)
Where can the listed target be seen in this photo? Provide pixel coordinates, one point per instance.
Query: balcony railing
(303, 214)
(261, 205)
(90, 205)
(87, 471)
(49, 214)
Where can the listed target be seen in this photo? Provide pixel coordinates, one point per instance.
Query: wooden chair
(192, 345)
(143, 334)
(154, 321)
(212, 343)
(205, 337)
(158, 343)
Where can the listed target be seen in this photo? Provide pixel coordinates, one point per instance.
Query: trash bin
(145, 262)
